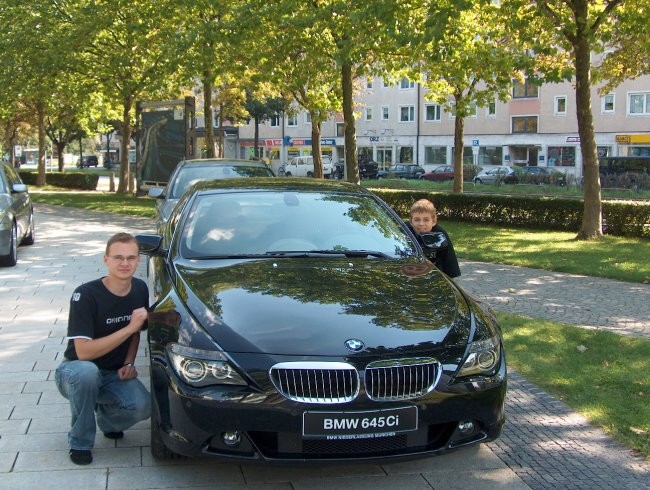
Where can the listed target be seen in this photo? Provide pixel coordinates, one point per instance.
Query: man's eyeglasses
(121, 258)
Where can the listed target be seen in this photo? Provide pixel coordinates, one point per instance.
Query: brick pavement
(543, 445)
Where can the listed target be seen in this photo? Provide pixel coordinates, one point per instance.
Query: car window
(259, 222)
(192, 174)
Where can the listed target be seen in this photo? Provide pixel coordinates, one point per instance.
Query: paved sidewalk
(544, 444)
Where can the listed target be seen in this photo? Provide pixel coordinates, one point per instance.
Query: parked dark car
(367, 170)
(626, 172)
(188, 172)
(401, 171)
(439, 174)
(299, 319)
(88, 161)
(16, 215)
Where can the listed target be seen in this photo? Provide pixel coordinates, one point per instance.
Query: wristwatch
(129, 364)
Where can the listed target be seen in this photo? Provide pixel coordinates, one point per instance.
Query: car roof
(280, 184)
(222, 161)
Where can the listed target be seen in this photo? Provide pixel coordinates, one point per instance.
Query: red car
(439, 174)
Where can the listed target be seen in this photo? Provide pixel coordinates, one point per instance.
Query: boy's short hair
(120, 237)
(424, 206)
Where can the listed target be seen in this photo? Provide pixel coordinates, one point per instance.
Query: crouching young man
(98, 375)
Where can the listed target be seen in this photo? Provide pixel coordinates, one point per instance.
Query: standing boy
(424, 219)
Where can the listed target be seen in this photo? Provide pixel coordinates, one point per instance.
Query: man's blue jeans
(119, 404)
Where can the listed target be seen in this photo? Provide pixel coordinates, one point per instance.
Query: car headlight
(199, 368)
(483, 358)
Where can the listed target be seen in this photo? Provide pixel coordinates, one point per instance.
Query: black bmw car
(300, 320)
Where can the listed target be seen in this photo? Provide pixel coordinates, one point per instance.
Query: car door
(18, 201)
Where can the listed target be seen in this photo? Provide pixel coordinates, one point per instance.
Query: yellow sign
(632, 139)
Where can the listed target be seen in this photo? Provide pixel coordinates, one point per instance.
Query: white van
(304, 167)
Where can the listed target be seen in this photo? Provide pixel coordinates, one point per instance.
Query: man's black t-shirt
(95, 312)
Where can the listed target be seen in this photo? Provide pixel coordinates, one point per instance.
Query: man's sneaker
(114, 435)
(81, 456)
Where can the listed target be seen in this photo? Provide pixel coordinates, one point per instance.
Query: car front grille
(316, 382)
(338, 382)
(401, 379)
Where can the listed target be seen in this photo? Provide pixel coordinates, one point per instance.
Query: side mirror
(434, 241)
(156, 192)
(150, 245)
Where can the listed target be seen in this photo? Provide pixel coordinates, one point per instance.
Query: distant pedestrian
(424, 219)
(98, 375)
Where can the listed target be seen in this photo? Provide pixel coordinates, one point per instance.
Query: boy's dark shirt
(95, 312)
(445, 259)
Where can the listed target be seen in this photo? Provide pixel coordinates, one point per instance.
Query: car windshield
(288, 224)
(192, 174)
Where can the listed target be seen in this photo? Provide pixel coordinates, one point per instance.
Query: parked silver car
(494, 175)
(189, 172)
(16, 216)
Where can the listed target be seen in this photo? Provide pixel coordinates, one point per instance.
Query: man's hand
(138, 317)
(127, 372)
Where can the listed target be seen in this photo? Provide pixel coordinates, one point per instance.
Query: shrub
(69, 180)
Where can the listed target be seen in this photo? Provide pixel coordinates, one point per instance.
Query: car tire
(287, 174)
(11, 258)
(310, 174)
(478, 181)
(29, 237)
(159, 451)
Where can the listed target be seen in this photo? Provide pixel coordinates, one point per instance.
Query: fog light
(232, 438)
(466, 426)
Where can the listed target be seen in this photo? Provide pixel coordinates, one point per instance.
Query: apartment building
(537, 126)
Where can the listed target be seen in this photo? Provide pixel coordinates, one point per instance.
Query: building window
(472, 110)
(292, 120)
(561, 156)
(468, 155)
(368, 111)
(640, 104)
(607, 104)
(407, 113)
(435, 155)
(385, 83)
(307, 118)
(523, 90)
(432, 112)
(491, 110)
(524, 124)
(275, 121)
(490, 155)
(369, 83)
(406, 154)
(385, 113)
(559, 105)
(406, 84)
(340, 129)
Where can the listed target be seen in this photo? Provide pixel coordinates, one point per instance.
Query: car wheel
(478, 181)
(29, 238)
(11, 258)
(287, 174)
(310, 174)
(158, 449)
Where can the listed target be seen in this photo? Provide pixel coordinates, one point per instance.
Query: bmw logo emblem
(354, 345)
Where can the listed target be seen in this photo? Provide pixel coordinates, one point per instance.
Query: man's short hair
(121, 237)
(424, 206)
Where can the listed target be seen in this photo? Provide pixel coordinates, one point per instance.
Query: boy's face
(122, 259)
(422, 222)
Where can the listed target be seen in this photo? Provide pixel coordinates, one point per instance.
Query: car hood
(311, 306)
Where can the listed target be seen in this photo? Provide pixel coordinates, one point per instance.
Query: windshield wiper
(347, 253)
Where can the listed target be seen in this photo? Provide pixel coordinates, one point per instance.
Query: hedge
(621, 218)
(69, 180)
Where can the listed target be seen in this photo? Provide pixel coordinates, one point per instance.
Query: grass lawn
(603, 376)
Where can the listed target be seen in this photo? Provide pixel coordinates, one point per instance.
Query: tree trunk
(315, 146)
(351, 165)
(126, 182)
(40, 114)
(592, 220)
(459, 130)
(209, 115)
(60, 146)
